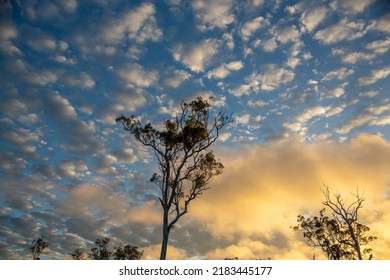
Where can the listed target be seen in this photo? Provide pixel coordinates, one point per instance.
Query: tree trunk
(356, 242)
(165, 237)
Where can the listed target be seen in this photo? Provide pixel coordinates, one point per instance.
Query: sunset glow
(307, 83)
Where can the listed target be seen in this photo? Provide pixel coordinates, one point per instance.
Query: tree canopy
(181, 147)
(340, 236)
(101, 251)
(37, 247)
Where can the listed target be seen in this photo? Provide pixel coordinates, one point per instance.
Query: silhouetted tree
(77, 254)
(127, 252)
(102, 252)
(235, 259)
(186, 164)
(340, 236)
(37, 246)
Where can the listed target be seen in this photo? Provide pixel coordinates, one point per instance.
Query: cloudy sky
(307, 83)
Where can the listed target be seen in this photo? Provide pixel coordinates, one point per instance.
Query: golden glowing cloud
(264, 188)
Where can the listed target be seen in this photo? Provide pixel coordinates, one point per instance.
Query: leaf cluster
(189, 130)
(101, 251)
(37, 247)
(340, 236)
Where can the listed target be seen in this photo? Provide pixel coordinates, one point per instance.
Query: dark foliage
(340, 236)
(102, 252)
(37, 246)
(185, 162)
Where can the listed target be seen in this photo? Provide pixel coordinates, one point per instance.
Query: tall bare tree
(185, 162)
(340, 236)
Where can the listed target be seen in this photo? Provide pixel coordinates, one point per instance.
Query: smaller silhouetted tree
(37, 246)
(340, 236)
(77, 254)
(127, 252)
(102, 252)
(236, 258)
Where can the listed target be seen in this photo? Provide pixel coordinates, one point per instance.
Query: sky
(307, 83)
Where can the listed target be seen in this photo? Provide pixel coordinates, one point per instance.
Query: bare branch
(341, 236)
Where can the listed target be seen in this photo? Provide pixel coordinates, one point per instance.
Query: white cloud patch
(22, 136)
(138, 24)
(213, 14)
(300, 125)
(293, 62)
(344, 30)
(339, 74)
(351, 6)
(370, 116)
(369, 94)
(105, 164)
(72, 169)
(382, 24)
(258, 3)
(42, 44)
(257, 103)
(42, 78)
(219, 72)
(381, 122)
(250, 27)
(353, 57)
(229, 40)
(376, 75)
(225, 69)
(292, 9)
(61, 108)
(354, 123)
(196, 56)
(69, 6)
(124, 102)
(287, 34)
(335, 110)
(29, 119)
(379, 47)
(241, 90)
(176, 78)
(268, 45)
(8, 31)
(335, 92)
(234, 65)
(135, 74)
(311, 113)
(311, 18)
(64, 60)
(83, 80)
(357, 56)
(271, 78)
(243, 119)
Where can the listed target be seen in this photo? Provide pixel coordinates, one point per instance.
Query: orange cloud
(264, 188)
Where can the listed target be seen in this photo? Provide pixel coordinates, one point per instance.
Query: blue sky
(307, 83)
